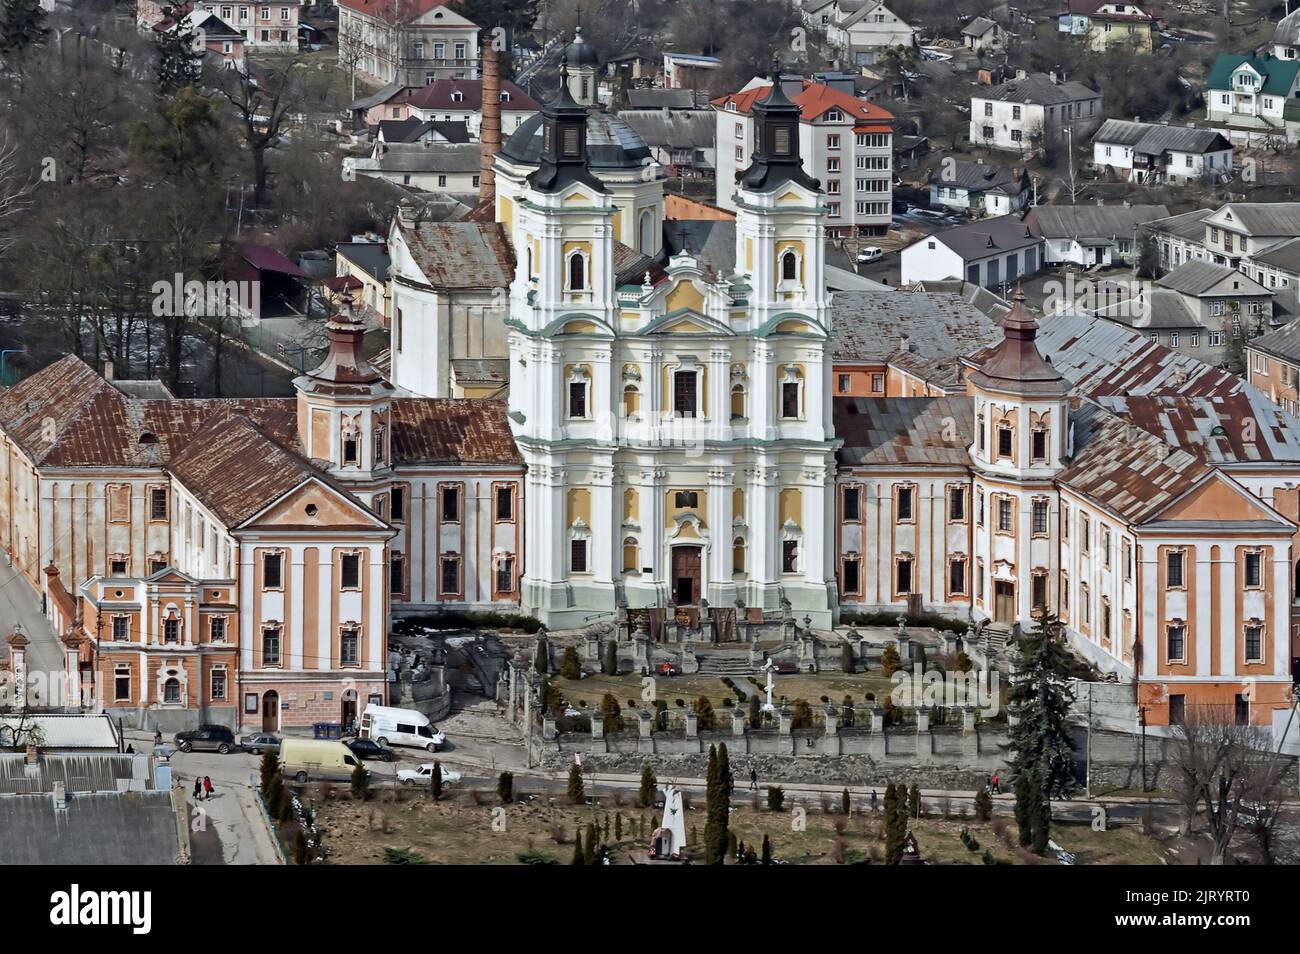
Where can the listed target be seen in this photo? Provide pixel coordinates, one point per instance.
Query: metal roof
(1288, 30)
(681, 129)
(72, 731)
(611, 142)
(89, 772)
(986, 237)
(1104, 223)
(979, 177)
(1284, 256)
(1157, 138)
(128, 828)
(1216, 427)
(904, 431)
(1186, 225)
(1264, 218)
(1038, 89)
(453, 255)
(1199, 277)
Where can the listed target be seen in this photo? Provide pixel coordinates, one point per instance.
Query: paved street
(232, 812)
(20, 603)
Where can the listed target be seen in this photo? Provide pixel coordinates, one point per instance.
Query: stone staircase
(725, 663)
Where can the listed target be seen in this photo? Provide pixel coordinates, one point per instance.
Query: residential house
(689, 70)
(1090, 235)
(410, 44)
(461, 100)
(983, 35)
(1198, 309)
(368, 263)
(1156, 153)
(433, 166)
(1254, 97)
(1107, 23)
(988, 252)
(865, 30)
(846, 143)
(1033, 113)
(1273, 365)
(979, 188)
(682, 139)
(266, 25)
(221, 40)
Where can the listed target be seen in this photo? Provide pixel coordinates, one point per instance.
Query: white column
(296, 630)
(1202, 570)
(719, 517)
(324, 621)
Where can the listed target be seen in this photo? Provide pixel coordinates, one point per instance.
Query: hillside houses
(1155, 153)
(1033, 112)
(1254, 97)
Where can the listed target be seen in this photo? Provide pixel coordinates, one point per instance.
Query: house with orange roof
(845, 142)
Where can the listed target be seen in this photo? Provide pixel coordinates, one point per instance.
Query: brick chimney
(489, 133)
(33, 754)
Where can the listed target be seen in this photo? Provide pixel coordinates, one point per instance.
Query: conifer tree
(914, 801)
(570, 664)
(767, 850)
(435, 781)
(542, 656)
(648, 786)
(610, 662)
(893, 835)
(579, 857)
(270, 767)
(22, 25)
(715, 829)
(1041, 697)
(1040, 818)
(179, 63)
(1024, 808)
(577, 790)
(846, 803)
(983, 805)
(506, 787)
(360, 782)
(755, 712)
(618, 827)
(890, 661)
(593, 835)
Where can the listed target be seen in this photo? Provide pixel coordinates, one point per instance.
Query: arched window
(631, 558)
(789, 266)
(172, 690)
(577, 272)
(738, 402)
(738, 555)
(645, 233)
(631, 400)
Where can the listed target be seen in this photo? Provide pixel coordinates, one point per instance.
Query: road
(20, 603)
(232, 813)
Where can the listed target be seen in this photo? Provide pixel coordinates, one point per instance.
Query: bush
(775, 798)
(890, 661)
(963, 662)
(435, 781)
(646, 795)
(360, 782)
(403, 856)
(801, 715)
(704, 711)
(983, 805)
(506, 787)
(848, 660)
(577, 789)
(534, 857)
(570, 664)
(612, 713)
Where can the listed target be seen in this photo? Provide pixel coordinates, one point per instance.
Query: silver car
(260, 742)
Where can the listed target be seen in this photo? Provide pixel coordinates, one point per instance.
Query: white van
(389, 726)
(315, 760)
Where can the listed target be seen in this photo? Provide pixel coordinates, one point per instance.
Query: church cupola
(564, 144)
(581, 66)
(1021, 403)
(344, 404)
(776, 160)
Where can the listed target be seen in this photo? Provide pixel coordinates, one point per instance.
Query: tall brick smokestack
(490, 130)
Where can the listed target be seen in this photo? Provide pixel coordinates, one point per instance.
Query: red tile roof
(814, 100)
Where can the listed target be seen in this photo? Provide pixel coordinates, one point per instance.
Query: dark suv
(210, 738)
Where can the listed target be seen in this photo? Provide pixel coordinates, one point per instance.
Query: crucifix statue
(769, 667)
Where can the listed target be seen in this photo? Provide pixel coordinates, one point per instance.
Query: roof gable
(314, 504)
(1216, 498)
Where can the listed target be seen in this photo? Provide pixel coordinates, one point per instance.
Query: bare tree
(1225, 774)
(265, 102)
(15, 189)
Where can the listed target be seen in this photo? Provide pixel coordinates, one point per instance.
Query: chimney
(904, 344)
(33, 754)
(60, 797)
(108, 370)
(489, 133)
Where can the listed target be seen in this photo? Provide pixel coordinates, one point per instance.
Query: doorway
(349, 713)
(1004, 602)
(271, 712)
(686, 575)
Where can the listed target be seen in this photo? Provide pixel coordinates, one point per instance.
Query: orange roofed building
(238, 561)
(845, 142)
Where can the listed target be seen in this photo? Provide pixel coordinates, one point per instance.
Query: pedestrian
(198, 789)
(873, 800)
(207, 788)
(996, 785)
(753, 780)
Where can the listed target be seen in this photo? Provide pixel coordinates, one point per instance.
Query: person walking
(996, 785)
(873, 801)
(207, 788)
(198, 789)
(753, 780)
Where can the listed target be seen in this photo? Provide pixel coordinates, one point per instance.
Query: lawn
(472, 827)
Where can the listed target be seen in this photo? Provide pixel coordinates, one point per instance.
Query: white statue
(670, 837)
(769, 667)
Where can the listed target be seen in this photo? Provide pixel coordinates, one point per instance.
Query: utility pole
(1087, 769)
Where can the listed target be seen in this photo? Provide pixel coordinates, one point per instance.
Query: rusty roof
(1100, 358)
(452, 431)
(1121, 467)
(1240, 428)
(880, 432)
(236, 470)
(461, 254)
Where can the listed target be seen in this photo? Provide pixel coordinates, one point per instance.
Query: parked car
(207, 738)
(316, 760)
(869, 253)
(389, 726)
(929, 214)
(260, 742)
(369, 749)
(424, 775)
